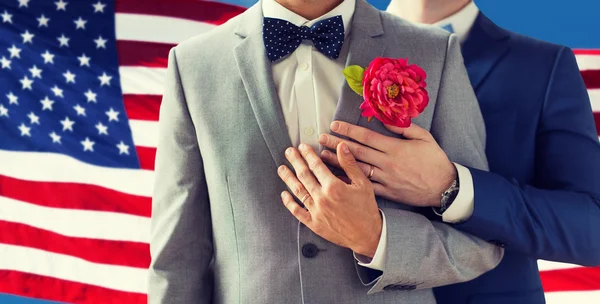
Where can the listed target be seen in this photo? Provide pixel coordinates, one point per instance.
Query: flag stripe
(52, 167)
(44, 287)
(586, 52)
(69, 196)
(147, 54)
(142, 80)
(77, 223)
(595, 99)
(98, 251)
(146, 156)
(144, 132)
(591, 78)
(549, 265)
(576, 279)
(168, 30)
(205, 11)
(31, 260)
(573, 297)
(142, 107)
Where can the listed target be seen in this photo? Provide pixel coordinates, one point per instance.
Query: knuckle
(297, 191)
(303, 174)
(369, 136)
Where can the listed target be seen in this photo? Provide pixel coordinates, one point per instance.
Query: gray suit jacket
(220, 233)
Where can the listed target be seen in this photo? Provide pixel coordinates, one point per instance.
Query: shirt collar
(461, 21)
(272, 9)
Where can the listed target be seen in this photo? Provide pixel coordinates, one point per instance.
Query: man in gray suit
(235, 103)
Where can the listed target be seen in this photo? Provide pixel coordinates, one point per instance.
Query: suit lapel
(365, 46)
(256, 74)
(484, 47)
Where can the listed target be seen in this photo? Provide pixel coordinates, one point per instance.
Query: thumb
(412, 132)
(349, 163)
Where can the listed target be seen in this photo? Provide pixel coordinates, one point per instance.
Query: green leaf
(354, 76)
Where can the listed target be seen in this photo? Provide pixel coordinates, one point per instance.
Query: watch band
(448, 197)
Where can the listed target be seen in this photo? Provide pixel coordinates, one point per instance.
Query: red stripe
(142, 107)
(576, 279)
(198, 10)
(587, 52)
(597, 119)
(147, 54)
(146, 156)
(74, 196)
(47, 288)
(123, 253)
(591, 78)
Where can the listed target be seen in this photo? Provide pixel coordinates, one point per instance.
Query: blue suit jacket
(542, 196)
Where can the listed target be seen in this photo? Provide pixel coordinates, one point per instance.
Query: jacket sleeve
(181, 235)
(425, 254)
(557, 216)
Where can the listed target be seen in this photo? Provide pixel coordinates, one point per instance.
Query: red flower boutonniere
(393, 90)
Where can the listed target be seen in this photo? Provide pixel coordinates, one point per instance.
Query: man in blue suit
(541, 198)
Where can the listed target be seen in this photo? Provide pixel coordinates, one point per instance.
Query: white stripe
(30, 260)
(145, 133)
(573, 297)
(547, 265)
(588, 62)
(142, 80)
(53, 167)
(158, 29)
(77, 223)
(595, 99)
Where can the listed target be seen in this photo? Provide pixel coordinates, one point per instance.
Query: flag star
(112, 115)
(58, 92)
(104, 79)
(91, 96)
(100, 42)
(35, 72)
(35, 120)
(67, 124)
(14, 51)
(102, 129)
(26, 82)
(70, 77)
(88, 145)
(5, 63)
(23, 3)
(84, 60)
(55, 137)
(47, 103)
(27, 37)
(25, 130)
(123, 148)
(63, 40)
(43, 21)
(6, 17)
(48, 58)
(99, 7)
(80, 110)
(12, 99)
(80, 23)
(3, 111)
(61, 5)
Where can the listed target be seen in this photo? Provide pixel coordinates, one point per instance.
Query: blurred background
(76, 176)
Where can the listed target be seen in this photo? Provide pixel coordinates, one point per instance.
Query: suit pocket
(526, 297)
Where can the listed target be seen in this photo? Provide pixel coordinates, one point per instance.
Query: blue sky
(574, 23)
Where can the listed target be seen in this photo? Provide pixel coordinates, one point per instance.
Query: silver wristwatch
(448, 197)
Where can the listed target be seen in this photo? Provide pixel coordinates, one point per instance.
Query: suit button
(310, 250)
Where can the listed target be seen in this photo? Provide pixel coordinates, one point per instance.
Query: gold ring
(371, 172)
(305, 197)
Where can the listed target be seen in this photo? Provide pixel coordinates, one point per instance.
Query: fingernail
(345, 148)
(288, 151)
(323, 139)
(280, 169)
(335, 126)
(325, 153)
(302, 147)
(283, 194)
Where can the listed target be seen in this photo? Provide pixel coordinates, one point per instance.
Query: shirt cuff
(463, 205)
(378, 260)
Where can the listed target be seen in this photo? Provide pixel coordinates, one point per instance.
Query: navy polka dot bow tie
(282, 37)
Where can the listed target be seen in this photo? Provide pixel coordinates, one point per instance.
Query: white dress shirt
(309, 84)
(461, 21)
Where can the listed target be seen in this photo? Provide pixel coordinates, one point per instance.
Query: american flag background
(80, 91)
